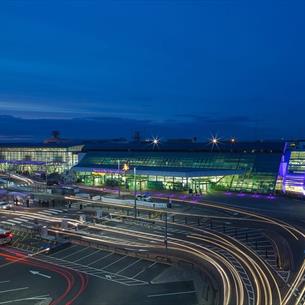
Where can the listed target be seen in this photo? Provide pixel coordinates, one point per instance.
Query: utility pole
(119, 186)
(135, 191)
(46, 165)
(165, 231)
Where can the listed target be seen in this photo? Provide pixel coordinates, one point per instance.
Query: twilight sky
(168, 68)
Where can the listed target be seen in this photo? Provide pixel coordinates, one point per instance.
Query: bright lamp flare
(214, 140)
(156, 141)
(125, 167)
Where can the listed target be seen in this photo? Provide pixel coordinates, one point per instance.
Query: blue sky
(165, 67)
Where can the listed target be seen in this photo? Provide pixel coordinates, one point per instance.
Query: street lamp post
(119, 178)
(46, 166)
(165, 231)
(135, 191)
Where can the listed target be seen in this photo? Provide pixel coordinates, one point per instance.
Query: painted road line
(116, 261)
(43, 213)
(8, 223)
(94, 252)
(14, 221)
(65, 249)
(99, 259)
(71, 254)
(129, 265)
(54, 210)
(15, 289)
(40, 274)
(170, 293)
(150, 266)
(3, 282)
(141, 271)
(21, 219)
(50, 213)
(36, 298)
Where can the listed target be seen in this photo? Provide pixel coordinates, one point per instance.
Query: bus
(6, 236)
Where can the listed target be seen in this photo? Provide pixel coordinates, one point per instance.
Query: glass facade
(248, 172)
(291, 178)
(254, 167)
(39, 158)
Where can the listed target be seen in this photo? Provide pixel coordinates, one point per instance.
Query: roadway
(244, 245)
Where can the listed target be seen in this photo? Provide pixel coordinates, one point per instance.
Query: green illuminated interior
(259, 171)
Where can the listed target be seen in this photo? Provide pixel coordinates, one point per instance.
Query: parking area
(122, 269)
(25, 283)
(131, 279)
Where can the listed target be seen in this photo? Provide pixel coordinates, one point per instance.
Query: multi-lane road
(247, 257)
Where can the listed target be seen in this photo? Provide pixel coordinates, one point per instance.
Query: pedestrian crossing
(29, 219)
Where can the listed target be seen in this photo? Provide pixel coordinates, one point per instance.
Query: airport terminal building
(39, 157)
(254, 167)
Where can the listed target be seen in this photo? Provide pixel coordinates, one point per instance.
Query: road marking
(141, 271)
(50, 213)
(40, 274)
(75, 252)
(65, 249)
(99, 259)
(152, 265)
(2, 282)
(21, 219)
(8, 223)
(131, 264)
(15, 289)
(120, 279)
(54, 210)
(28, 216)
(170, 293)
(14, 221)
(39, 297)
(86, 256)
(43, 213)
(116, 261)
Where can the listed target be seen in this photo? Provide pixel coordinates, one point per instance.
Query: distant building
(184, 166)
(56, 157)
(181, 166)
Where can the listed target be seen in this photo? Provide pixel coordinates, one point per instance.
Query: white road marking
(14, 221)
(2, 282)
(39, 297)
(129, 265)
(8, 223)
(99, 259)
(116, 261)
(65, 249)
(43, 213)
(170, 293)
(40, 274)
(152, 265)
(86, 256)
(28, 217)
(74, 253)
(21, 219)
(54, 210)
(15, 289)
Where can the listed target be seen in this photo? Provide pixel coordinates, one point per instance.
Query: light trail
(251, 265)
(298, 279)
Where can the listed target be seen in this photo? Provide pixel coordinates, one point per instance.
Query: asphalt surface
(104, 278)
